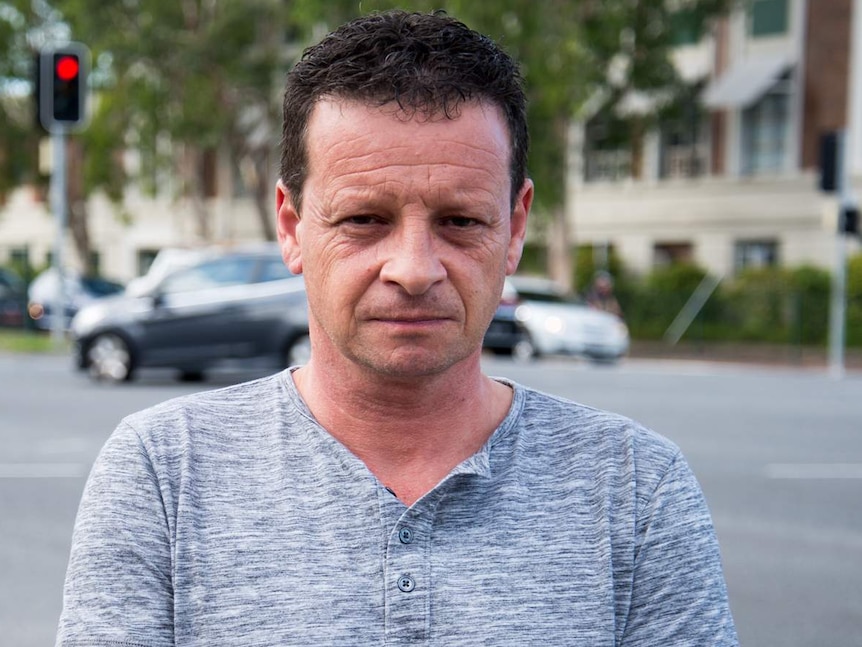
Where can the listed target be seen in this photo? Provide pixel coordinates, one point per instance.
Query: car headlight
(554, 325)
(86, 319)
(523, 313)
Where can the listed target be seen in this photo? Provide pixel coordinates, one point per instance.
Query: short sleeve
(679, 596)
(118, 586)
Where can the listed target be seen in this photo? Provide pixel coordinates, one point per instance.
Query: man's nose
(413, 259)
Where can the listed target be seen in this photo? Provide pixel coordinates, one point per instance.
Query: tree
(181, 79)
(18, 138)
(182, 82)
(571, 52)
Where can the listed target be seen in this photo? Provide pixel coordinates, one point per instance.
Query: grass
(28, 341)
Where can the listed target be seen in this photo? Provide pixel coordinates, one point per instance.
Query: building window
(755, 254)
(683, 149)
(768, 17)
(685, 28)
(19, 256)
(665, 254)
(607, 154)
(764, 132)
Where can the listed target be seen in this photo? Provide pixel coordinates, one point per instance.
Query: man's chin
(412, 362)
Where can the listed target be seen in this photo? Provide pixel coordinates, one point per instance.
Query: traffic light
(830, 165)
(848, 219)
(62, 86)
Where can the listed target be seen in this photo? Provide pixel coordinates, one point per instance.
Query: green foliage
(565, 48)
(587, 263)
(775, 305)
(651, 304)
(18, 137)
(533, 259)
(190, 73)
(19, 341)
(854, 301)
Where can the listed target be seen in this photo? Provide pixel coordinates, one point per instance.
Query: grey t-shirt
(231, 517)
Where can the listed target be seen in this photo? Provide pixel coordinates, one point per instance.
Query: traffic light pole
(61, 92)
(58, 206)
(838, 306)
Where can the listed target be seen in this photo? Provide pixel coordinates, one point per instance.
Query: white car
(46, 292)
(558, 323)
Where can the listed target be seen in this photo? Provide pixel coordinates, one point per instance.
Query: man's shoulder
(580, 429)
(223, 409)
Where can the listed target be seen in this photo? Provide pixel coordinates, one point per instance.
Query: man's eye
(461, 221)
(361, 220)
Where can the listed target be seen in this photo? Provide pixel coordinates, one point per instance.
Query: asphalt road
(778, 453)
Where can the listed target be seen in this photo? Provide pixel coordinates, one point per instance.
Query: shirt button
(405, 535)
(406, 583)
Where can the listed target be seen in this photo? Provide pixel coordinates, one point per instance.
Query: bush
(854, 301)
(776, 305)
(651, 306)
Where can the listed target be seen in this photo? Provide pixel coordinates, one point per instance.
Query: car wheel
(192, 375)
(110, 358)
(523, 350)
(299, 351)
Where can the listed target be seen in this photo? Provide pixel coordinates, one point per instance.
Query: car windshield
(100, 287)
(547, 297)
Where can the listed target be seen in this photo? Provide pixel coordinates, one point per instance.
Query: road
(777, 451)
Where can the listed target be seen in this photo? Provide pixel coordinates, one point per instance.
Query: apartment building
(732, 180)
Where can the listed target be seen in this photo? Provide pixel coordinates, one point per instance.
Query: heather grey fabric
(232, 518)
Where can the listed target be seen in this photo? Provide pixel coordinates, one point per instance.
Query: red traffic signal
(62, 87)
(67, 67)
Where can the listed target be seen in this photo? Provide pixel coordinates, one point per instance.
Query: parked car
(241, 306)
(166, 261)
(78, 290)
(13, 300)
(558, 323)
(506, 335)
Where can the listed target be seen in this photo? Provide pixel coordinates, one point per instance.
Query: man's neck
(410, 433)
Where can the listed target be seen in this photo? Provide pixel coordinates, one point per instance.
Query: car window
(273, 269)
(217, 273)
(548, 297)
(100, 287)
(11, 281)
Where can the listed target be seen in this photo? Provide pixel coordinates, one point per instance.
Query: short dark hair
(425, 63)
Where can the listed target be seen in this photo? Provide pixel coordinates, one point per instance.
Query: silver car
(557, 323)
(241, 306)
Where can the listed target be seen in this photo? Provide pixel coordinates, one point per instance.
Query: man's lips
(412, 319)
(408, 319)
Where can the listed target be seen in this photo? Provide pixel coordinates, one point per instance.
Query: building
(126, 237)
(733, 181)
(730, 182)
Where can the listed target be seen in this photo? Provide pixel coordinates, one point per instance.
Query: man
(388, 492)
(601, 294)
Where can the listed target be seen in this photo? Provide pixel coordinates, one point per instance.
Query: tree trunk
(559, 249)
(192, 165)
(262, 191)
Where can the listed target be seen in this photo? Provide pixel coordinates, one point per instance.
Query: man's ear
(287, 227)
(518, 226)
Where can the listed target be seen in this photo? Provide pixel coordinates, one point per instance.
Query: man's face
(405, 234)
